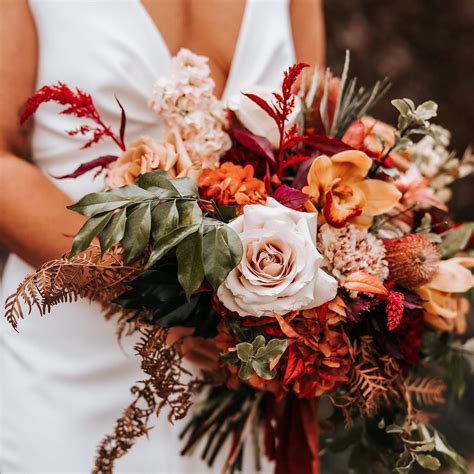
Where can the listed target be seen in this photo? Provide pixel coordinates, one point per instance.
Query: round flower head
(280, 269)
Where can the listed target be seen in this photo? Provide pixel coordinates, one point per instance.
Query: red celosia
(280, 111)
(78, 104)
(394, 309)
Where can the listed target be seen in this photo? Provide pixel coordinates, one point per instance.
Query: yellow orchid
(444, 309)
(339, 186)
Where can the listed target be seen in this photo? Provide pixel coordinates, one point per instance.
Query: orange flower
(232, 185)
(444, 309)
(339, 187)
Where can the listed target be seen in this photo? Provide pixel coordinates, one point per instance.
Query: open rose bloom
(280, 268)
(303, 240)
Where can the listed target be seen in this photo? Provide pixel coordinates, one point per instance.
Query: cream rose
(257, 120)
(280, 268)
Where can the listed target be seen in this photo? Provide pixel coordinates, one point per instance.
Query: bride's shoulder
(307, 21)
(18, 58)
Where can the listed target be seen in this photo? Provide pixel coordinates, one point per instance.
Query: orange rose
(339, 186)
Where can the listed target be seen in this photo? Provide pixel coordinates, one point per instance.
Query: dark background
(426, 47)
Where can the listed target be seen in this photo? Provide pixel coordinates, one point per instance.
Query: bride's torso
(64, 378)
(114, 48)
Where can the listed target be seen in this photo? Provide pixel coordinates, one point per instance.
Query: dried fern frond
(87, 275)
(426, 390)
(168, 384)
(374, 379)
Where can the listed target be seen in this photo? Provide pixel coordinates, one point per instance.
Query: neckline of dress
(237, 49)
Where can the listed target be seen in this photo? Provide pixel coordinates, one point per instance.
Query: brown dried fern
(373, 380)
(168, 384)
(426, 390)
(87, 275)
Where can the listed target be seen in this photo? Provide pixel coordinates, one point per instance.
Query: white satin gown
(64, 379)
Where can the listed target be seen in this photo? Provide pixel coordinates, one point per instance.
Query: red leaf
(291, 197)
(123, 120)
(262, 103)
(294, 366)
(101, 162)
(256, 144)
(326, 145)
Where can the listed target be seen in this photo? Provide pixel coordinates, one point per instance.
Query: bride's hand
(197, 350)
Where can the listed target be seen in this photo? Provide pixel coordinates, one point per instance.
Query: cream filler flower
(280, 268)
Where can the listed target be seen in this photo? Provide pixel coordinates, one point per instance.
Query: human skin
(34, 221)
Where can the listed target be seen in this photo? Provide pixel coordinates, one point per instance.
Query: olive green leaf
(158, 182)
(258, 355)
(428, 462)
(222, 251)
(137, 232)
(114, 230)
(164, 244)
(190, 267)
(455, 240)
(88, 231)
(164, 218)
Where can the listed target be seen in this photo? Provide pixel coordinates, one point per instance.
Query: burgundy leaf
(256, 144)
(101, 162)
(123, 120)
(326, 145)
(291, 197)
(262, 103)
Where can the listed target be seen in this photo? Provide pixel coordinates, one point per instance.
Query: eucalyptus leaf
(114, 230)
(244, 351)
(258, 343)
(245, 371)
(427, 461)
(262, 369)
(455, 240)
(190, 267)
(88, 231)
(137, 232)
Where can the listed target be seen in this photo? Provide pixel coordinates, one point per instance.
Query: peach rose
(280, 268)
(146, 154)
(443, 307)
(339, 186)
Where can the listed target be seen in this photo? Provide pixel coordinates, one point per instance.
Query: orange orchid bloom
(339, 186)
(444, 309)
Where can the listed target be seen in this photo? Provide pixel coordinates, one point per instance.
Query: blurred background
(426, 47)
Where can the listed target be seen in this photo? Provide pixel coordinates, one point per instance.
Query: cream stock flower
(146, 154)
(256, 120)
(280, 268)
(444, 309)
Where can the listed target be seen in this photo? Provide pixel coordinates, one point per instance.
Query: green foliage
(353, 102)
(424, 445)
(413, 120)
(257, 356)
(165, 212)
(455, 239)
(160, 294)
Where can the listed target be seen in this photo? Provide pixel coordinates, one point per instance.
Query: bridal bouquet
(308, 242)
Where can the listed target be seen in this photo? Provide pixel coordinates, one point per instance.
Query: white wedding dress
(64, 379)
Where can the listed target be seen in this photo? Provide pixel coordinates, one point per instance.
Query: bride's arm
(307, 22)
(33, 214)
